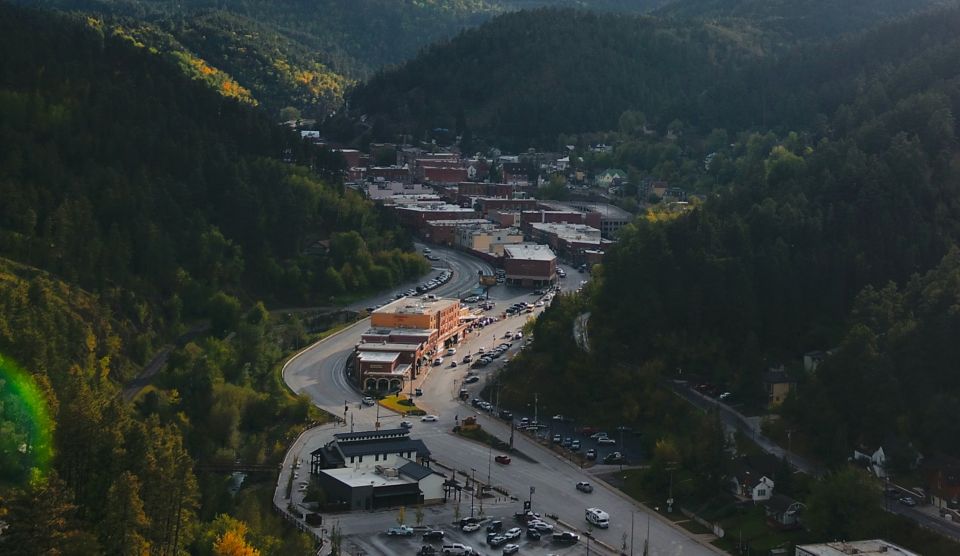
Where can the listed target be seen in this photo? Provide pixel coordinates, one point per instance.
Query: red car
(502, 459)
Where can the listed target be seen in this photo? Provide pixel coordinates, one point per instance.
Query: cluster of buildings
(405, 336)
(482, 205)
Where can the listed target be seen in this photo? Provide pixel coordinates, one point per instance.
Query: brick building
(529, 265)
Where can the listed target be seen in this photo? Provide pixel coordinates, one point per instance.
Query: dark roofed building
(415, 471)
(352, 447)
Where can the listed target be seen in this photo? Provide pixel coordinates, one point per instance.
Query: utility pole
(632, 516)
(535, 401)
(473, 484)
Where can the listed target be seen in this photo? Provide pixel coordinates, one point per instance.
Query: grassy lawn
(484, 437)
(750, 527)
(694, 527)
(400, 403)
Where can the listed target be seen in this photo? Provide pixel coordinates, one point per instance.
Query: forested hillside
(858, 188)
(519, 80)
(793, 20)
(120, 172)
(136, 204)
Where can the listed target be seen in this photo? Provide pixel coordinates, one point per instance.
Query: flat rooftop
(367, 347)
(466, 222)
(386, 332)
(416, 306)
(874, 547)
(435, 207)
(530, 252)
(366, 477)
(378, 356)
(580, 232)
(608, 212)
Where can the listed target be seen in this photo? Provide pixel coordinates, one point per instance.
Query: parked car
(533, 534)
(614, 457)
(471, 379)
(575, 445)
(406, 424)
(429, 418)
(584, 486)
(496, 540)
(557, 439)
(511, 549)
(566, 537)
(540, 526)
(606, 441)
(466, 520)
(426, 550)
(432, 534)
(367, 400)
(513, 533)
(502, 459)
(418, 392)
(470, 527)
(597, 435)
(495, 526)
(453, 364)
(908, 501)
(400, 531)
(456, 549)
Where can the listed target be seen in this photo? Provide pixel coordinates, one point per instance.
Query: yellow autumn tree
(234, 543)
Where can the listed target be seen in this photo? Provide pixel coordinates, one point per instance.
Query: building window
(351, 459)
(359, 459)
(762, 492)
(376, 457)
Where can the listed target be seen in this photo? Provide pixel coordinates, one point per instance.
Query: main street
(318, 372)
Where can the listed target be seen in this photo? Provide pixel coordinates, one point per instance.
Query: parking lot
(381, 543)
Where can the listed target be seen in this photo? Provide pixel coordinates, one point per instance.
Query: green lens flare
(26, 428)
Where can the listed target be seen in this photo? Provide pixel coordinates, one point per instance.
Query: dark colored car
(533, 534)
(506, 415)
(502, 459)
(495, 526)
(432, 535)
(467, 520)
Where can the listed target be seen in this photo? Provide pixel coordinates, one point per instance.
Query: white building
(876, 547)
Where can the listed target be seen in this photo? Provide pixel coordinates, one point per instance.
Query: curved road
(318, 373)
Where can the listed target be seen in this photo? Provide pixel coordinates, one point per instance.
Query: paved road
(318, 372)
(749, 427)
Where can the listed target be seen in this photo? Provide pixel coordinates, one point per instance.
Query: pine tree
(125, 521)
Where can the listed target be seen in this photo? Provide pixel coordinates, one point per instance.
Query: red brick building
(529, 265)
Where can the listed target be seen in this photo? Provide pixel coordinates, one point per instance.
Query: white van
(598, 517)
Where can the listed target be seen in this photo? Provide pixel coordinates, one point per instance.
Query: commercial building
(576, 243)
(444, 232)
(389, 189)
(487, 238)
(368, 470)
(485, 205)
(875, 547)
(529, 265)
(416, 216)
(382, 370)
(541, 216)
(438, 318)
(612, 218)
